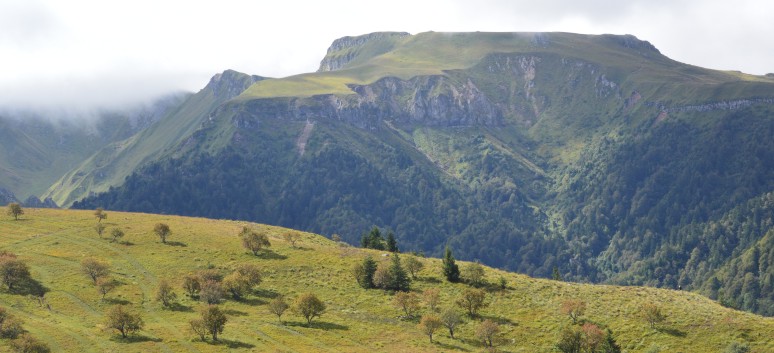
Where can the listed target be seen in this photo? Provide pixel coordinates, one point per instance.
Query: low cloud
(90, 54)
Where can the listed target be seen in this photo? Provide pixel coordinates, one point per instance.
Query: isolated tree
(474, 274)
(119, 317)
(450, 269)
(100, 229)
(192, 285)
(472, 300)
(451, 319)
(100, 214)
(571, 340)
(593, 337)
(236, 285)
(399, 279)
(165, 294)
(105, 285)
(291, 237)
(4, 314)
(94, 268)
(254, 241)
(163, 231)
(13, 272)
(250, 273)
(309, 306)
(242, 280)
(392, 244)
(210, 275)
(198, 327)
(278, 306)
(574, 308)
(429, 324)
(10, 326)
(15, 210)
(25, 343)
(214, 320)
(486, 331)
(652, 313)
(413, 265)
(503, 283)
(382, 277)
(117, 234)
(408, 302)
(364, 272)
(211, 292)
(431, 297)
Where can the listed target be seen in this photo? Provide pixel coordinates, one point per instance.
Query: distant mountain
(111, 164)
(595, 155)
(38, 147)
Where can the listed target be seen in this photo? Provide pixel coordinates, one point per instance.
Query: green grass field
(53, 243)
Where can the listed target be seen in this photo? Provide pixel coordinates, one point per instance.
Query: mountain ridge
(594, 155)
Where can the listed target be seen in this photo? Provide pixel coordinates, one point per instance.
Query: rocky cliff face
(428, 101)
(344, 50)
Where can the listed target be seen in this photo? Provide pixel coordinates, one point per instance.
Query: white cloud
(109, 52)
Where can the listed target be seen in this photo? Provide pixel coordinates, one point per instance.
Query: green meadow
(54, 242)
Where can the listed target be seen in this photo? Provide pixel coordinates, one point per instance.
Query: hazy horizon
(89, 55)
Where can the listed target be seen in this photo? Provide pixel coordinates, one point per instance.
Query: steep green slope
(591, 154)
(112, 164)
(36, 149)
(54, 242)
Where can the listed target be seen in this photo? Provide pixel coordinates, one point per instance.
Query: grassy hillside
(38, 148)
(35, 152)
(53, 243)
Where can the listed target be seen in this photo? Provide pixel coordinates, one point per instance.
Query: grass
(53, 242)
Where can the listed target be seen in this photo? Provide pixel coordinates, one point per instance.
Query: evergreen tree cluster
(375, 240)
(390, 276)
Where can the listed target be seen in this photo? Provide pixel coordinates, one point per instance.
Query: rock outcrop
(425, 100)
(344, 50)
(230, 83)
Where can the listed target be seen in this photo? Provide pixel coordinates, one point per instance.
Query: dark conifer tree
(450, 268)
(392, 244)
(399, 279)
(369, 268)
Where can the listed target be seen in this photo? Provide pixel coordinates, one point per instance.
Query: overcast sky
(103, 52)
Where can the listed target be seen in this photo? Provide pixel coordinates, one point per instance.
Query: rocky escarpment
(426, 100)
(343, 50)
(519, 87)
